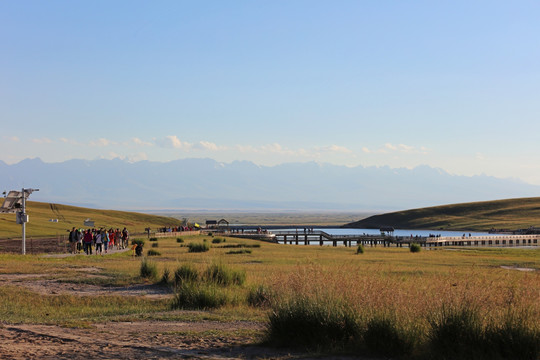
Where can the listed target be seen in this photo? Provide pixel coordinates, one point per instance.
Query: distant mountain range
(242, 185)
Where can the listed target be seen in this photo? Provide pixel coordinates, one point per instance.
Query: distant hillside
(499, 214)
(40, 215)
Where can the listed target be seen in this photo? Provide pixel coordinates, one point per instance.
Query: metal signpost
(15, 202)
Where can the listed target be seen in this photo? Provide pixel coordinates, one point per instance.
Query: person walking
(87, 241)
(99, 242)
(105, 239)
(72, 240)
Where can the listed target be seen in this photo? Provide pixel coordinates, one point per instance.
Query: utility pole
(17, 200)
(22, 217)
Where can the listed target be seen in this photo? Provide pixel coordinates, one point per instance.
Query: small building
(223, 224)
(211, 224)
(387, 230)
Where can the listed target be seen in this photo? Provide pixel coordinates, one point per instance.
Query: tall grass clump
(198, 296)
(414, 248)
(198, 247)
(155, 245)
(166, 277)
(457, 333)
(153, 239)
(386, 336)
(222, 275)
(313, 323)
(185, 273)
(148, 269)
(360, 249)
(514, 338)
(260, 296)
(179, 240)
(218, 240)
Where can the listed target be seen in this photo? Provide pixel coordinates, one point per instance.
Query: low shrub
(218, 240)
(260, 296)
(148, 269)
(360, 249)
(137, 241)
(179, 240)
(155, 245)
(313, 323)
(153, 252)
(385, 336)
(222, 275)
(153, 239)
(185, 273)
(198, 247)
(198, 296)
(234, 252)
(414, 248)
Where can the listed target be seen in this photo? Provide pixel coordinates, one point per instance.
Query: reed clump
(223, 275)
(185, 273)
(148, 269)
(261, 296)
(379, 315)
(218, 240)
(207, 290)
(198, 247)
(190, 295)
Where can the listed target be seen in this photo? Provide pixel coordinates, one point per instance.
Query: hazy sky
(450, 84)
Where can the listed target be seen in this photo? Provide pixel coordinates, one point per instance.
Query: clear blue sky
(450, 84)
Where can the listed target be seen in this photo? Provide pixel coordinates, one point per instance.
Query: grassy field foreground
(455, 303)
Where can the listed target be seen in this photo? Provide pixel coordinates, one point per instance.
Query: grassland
(476, 216)
(68, 216)
(391, 282)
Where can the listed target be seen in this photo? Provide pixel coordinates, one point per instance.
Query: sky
(450, 84)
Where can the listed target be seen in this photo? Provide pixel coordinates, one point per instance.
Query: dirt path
(129, 340)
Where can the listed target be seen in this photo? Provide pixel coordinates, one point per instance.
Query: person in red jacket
(87, 242)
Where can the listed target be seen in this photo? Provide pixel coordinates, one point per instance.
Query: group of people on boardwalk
(100, 239)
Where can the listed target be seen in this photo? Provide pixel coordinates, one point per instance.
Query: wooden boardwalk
(323, 238)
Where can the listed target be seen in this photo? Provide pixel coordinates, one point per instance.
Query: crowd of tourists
(101, 240)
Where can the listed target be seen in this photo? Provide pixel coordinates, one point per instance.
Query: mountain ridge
(207, 183)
